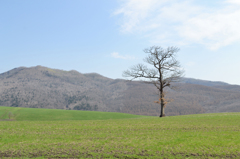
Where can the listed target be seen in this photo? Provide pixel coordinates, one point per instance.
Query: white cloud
(134, 14)
(182, 22)
(117, 56)
(233, 1)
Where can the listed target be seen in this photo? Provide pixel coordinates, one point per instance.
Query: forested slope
(42, 87)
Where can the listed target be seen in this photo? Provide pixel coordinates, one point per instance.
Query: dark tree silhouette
(166, 69)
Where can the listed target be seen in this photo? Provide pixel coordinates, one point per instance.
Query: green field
(34, 114)
(190, 136)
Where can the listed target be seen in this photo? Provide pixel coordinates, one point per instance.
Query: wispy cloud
(118, 56)
(182, 22)
(234, 1)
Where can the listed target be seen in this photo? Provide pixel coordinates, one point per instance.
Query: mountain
(42, 87)
(203, 82)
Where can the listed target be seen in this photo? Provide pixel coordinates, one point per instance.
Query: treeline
(74, 98)
(86, 106)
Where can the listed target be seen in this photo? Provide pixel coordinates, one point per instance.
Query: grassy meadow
(34, 114)
(190, 136)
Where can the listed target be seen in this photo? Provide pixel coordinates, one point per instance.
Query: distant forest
(42, 87)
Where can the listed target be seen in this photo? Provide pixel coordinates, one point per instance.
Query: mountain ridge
(42, 87)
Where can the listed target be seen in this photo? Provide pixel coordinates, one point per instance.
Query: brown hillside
(41, 87)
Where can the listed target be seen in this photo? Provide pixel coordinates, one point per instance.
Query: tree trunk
(162, 111)
(162, 114)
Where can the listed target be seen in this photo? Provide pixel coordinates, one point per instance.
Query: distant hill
(42, 87)
(203, 82)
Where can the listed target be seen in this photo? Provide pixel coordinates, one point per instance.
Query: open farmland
(193, 136)
(34, 114)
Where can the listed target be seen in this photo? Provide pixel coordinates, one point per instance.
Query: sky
(109, 36)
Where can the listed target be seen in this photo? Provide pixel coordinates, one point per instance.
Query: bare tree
(166, 69)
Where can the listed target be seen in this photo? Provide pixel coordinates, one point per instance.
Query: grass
(35, 114)
(191, 136)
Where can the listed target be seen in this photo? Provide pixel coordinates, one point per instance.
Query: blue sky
(108, 36)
